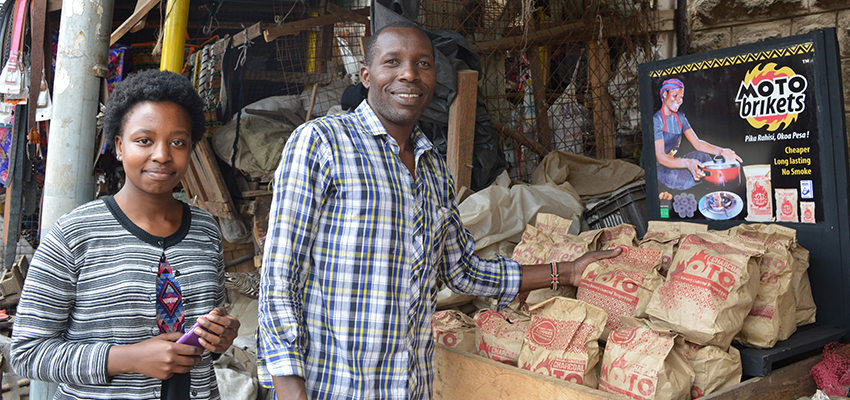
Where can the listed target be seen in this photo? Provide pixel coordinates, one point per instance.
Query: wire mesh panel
(559, 73)
(321, 55)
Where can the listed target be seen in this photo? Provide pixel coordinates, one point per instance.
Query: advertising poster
(735, 136)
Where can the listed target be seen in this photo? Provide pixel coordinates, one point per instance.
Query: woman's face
(154, 146)
(673, 99)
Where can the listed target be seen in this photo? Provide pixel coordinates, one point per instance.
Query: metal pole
(174, 38)
(81, 60)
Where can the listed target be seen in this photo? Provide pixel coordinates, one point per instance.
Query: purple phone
(190, 337)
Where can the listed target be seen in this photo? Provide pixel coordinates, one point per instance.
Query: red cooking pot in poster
(722, 173)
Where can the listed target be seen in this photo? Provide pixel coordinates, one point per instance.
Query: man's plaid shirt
(354, 250)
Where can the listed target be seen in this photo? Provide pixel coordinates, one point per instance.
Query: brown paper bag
(714, 368)
(662, 234)
(622, 285)
(709, 290)
(547, 242)
(644, 363)
(453, 328)
(773, 316)
(499, 334)
(806, 308)
(563, 340)
(667, 242)
(685, 228)
(620, 235)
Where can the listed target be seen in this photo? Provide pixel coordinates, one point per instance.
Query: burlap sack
(644, 363)
(499, 334)
(714, 368)
(620, 235)
(453, 328)
(709, 290)
(549, 241)
(563, 341)
(622, 285)
(773, 316)
(806, 308)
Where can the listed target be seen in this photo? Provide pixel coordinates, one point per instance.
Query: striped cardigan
(92, 284)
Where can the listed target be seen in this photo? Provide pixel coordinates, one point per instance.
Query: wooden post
(461, 133)
(538, 87)
(326, 42)
(599, 71)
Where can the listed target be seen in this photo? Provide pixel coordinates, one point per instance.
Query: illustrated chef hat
(671, 84)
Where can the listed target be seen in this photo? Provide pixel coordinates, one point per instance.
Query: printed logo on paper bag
(771, 97)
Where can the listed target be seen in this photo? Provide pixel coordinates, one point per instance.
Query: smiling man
(363, 225)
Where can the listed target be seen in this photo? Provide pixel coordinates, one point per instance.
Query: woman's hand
(158, 357)
(222, 327)
(695, 167)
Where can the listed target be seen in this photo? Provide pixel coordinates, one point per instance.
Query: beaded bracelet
(555, 276)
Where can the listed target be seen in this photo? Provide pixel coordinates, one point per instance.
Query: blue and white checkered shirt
(354, 250)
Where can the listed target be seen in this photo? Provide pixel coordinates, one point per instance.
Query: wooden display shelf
(460, 376)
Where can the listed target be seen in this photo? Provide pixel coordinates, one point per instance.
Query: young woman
(116, 281)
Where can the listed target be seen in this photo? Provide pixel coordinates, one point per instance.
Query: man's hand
(158, 357)
(572, 271)
(695, 167)
(223, 328)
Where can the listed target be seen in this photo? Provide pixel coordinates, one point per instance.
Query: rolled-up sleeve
(466, 273)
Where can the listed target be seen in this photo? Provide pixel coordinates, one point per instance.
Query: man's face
(673, 99)
(400, 77)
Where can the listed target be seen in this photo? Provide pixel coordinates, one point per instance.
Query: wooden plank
(290, 77)
(141, 24)
(204, 184)
(358, 16)
(255, 193)
(578, 31)
(261, 222)
(249, 33)
(538, 88)
(463, 376)
(54, 5)
(789, 383)
(137, 16)
(461, 133)
(534, 146)
(599, 73)
(325, 47)
(296, 27)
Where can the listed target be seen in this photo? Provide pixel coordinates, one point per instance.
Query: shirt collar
(373, 125)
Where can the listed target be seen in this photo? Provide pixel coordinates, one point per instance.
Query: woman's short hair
(154, 86)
